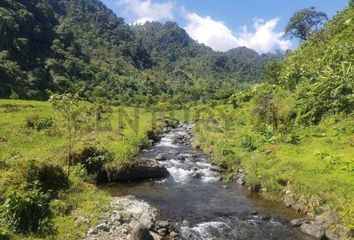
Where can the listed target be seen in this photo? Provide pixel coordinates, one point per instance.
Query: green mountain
(81, 46)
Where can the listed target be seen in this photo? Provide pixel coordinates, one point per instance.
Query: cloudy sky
(225, 24)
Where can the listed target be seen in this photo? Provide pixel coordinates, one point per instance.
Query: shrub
(266, 110)
(27, 212)
(267, 133)
(238, 99)
(247, 143)
(35, 122)
(93, 160)
(44, 123)
(274, 106)
(50, 178)
(293, 139)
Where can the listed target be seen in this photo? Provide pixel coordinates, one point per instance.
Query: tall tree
(305, 22)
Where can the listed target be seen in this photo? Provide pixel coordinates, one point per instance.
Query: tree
(272, 71)
(305, 22)
(351, 3)
(68, 106)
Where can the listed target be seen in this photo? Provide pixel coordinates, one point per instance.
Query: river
(202, 206)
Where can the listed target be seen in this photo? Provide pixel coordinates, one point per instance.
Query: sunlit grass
(123, 136)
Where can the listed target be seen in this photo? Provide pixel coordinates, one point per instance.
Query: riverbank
(133, 219)
(309, 169)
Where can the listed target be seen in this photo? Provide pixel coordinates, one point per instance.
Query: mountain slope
(321, 71)
(81, 46)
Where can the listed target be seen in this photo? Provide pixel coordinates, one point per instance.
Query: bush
(247, 143)
(50, 178)
(27, 212)
(44, 123)
(240, 98)
(93, 160)
(293, 139)
(35, 122)
(267, 133)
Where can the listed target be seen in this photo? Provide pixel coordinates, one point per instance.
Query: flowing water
(202, 206)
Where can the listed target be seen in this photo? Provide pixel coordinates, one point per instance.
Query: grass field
(313, 165)
(80, 205)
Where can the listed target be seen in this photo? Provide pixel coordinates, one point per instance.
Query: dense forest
(83, 47)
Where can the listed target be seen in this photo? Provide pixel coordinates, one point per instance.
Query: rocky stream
(191, 203)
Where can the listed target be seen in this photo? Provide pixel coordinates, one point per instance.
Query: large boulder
(140, 232)
(315, 230)
(137, 170)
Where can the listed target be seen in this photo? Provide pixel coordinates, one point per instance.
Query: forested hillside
(83, 47)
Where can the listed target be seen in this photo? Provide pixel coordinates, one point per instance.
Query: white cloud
(146, 10)
(218, 36)
(264, 38)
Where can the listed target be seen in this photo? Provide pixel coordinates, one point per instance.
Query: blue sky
(225, 24)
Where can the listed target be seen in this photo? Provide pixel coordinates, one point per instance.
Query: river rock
(160, 157)
(138, 170)
(140, 232)
(162, 232)
(92, 231)
(240, 181)
(173, 234)
(125, 214)
(162, 224)
(298, 222)
(315, 230)
(155, 236)
(103, 226)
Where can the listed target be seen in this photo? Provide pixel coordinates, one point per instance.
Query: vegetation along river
(199, 203)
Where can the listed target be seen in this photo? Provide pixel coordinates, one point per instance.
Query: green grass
(319, 168)
(123, 137)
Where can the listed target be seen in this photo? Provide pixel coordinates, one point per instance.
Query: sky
(226, 24)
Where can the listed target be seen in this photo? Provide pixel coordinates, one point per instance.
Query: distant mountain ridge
(83, 47)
